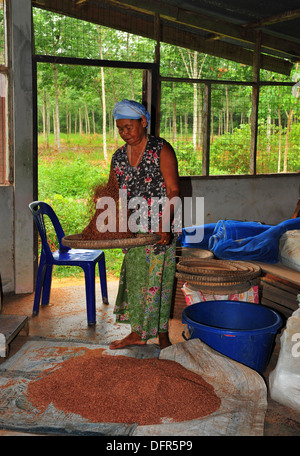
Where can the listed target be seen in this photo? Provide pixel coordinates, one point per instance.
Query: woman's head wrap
(129, 109)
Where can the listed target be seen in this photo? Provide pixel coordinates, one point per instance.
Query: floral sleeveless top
(145, 180)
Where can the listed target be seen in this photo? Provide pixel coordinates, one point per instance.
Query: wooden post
(255, 103)
(152, 85)
(157, 27)
(206, 129)
(147, 96)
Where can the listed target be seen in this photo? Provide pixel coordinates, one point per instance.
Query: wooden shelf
(10, 327)
(279, 287)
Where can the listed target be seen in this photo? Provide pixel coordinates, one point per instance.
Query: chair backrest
(38, 210)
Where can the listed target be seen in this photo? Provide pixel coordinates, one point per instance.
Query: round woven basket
(186, 252)
(76, 241)
(223, 289)
(216, 271)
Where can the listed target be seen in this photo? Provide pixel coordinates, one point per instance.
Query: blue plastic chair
(86, 259)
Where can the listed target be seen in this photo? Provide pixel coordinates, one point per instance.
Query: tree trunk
(174, 126)
(227, 110)
(269, 121)
(200, 119)
(94, 124)
(54, 127)
(103, 97)
(80, 121)
(70, 123)
(221, 131)
(192, 71)
(114, 102)
(67, 122)
(87, 121)
(186, 125)
(56, 117)
(195, 123)
(279, 140)
(104, 115)
(195, 113)
(132, 85)
(181, 128)
(288, 127)
(44, 109)
(48, 127)
(130, 71)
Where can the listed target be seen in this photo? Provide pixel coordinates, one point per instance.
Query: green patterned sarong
(145, 290)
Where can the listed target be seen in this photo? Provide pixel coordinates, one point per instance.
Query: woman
(146, 166)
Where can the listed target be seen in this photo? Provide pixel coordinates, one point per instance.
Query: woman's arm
(169, 170)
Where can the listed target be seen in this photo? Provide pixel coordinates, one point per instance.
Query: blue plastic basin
(240, 330)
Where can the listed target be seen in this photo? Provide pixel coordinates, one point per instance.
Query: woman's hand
(165, 238)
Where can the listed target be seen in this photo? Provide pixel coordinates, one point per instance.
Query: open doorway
(75, 135)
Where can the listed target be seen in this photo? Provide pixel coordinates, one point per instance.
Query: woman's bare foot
(132, 339)
(164, 340)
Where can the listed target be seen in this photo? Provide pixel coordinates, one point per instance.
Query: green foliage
(67, 182)
(189, 160)
(230, 153)
(72, 213)
(75, 178)
(75, 92)
(73, 216)
(294, 158)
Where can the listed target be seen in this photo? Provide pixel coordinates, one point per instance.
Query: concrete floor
(65, 319)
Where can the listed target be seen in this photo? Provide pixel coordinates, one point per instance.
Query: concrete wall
(7, 238)
(268, 199)
(16, 228)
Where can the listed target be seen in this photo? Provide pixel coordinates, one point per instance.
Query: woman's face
(132, 131)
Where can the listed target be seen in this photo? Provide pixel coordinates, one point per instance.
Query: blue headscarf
(130, 109)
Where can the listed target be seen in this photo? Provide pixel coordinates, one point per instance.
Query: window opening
(60, 35)
(278, 147)
(183, 75)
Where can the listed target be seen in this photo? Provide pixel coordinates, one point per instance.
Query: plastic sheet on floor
(242, 392)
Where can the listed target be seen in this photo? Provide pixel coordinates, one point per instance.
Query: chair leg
(47, 285)
(89, 272)
(39, 285)
(103, 280)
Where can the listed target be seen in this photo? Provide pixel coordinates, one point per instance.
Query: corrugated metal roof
(227, 28)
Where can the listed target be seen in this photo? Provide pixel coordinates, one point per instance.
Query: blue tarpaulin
(196, 236)
(235, 240)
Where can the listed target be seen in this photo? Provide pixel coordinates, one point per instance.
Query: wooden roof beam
(80, 2)
(144, 26)
(284, 17)
(213, 37)
(223, 50)
(209, 24)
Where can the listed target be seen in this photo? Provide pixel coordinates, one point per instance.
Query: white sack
(284, 380)
(289, 249)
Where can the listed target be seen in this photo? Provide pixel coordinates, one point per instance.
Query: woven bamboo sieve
(76, 241)
(216, 271)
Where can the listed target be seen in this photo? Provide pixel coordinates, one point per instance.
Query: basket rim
(213, 282)
(223, 290)
(224, 270)
(210, 280)
(76, 241)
